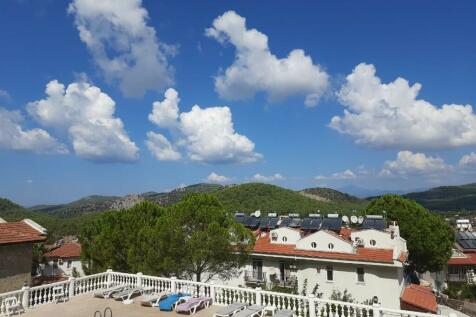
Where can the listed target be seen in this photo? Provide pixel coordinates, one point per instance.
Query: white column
(109, 277)
(71, 286)
(212, 291)
(312, 305)
(376, 308)
(258, 296)
(139, 279)
(25, 301)
(173, 284)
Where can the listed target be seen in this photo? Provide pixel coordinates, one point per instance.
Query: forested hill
(447, 198)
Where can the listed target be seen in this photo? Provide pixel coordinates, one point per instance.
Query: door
(257, 269)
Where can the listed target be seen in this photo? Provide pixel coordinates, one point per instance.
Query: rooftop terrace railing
(303, 306)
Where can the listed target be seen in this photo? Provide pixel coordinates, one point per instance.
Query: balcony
(456, 277)
(39, 301)
(254, 278)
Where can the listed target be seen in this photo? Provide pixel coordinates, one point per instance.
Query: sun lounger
(126, 295)
(171, 300)
(284, 313)
(106, 293)
(251, 311)
(191, 305)
(154, 298)
(230, 310)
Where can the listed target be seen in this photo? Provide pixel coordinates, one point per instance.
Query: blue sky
(263, 114)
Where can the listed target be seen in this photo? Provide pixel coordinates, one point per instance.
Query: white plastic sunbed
(154, 298)
(230, 310)
(106, 293)
(251, 311)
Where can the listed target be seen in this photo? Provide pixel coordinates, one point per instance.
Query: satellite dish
(345, 219)
(257, 213)
(354, 219)
(360, 220)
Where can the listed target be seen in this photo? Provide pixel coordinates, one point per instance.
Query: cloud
(468, 160)
(87, 116)
(256, 69)
(391, 116)
(216, 178)
(14, 137)
(266, 179)
(123, 46)
(205, 134)
(344, 175)
(409, 163)
(5, 95)
(161, 148)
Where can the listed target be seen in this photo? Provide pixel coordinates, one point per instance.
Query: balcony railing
(303, 306)
(254, 277)
(456, 277)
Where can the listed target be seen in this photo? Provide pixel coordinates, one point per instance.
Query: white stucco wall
(62, 269)
(322, 239)
(291, 236)
(383, 240)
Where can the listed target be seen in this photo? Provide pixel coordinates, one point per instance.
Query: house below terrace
(63, 261)
(16, 252)
(326, 255)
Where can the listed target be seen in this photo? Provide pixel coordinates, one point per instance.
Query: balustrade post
(376, 309)
(109, 278)
(311, 298)
(72, 281)
(258, 296)
(25, 300)
(212, 291)
(139, 279)
(173, 284)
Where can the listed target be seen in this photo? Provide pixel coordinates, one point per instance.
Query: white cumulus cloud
(87, 115)
(123, 46)
(347, 174)
(256, 69)
(409, 163)
(205, 134)
(217, 178)
(161, 148)
(14, 137)
(468, 160)
(391, 115)
(266, 179)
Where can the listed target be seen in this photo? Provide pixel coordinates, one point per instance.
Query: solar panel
(264, 222)
(465, 244)
(316, 224)
(254, 222)
(247, 221)
(372, 223)
(332, 224)
(466, 236)
(473, 234)
(472, 244)
(273, 222)
(306, 224)
(240, 218)
(286, 222)
(296, 222)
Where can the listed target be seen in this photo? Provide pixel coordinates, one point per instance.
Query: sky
(118, 97)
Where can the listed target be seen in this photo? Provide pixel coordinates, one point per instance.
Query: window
(330, 246)
(69, 264)
(330, 273)
(373, 242)
(314, 245)
(285, 239)
(360, 275)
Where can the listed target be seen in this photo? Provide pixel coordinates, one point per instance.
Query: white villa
(367, 261)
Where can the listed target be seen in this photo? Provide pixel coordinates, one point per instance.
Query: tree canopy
(429, 238)
(195, 238)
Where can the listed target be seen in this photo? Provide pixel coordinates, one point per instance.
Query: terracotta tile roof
(263, 245)
(345, 232)
(69, 250)
(420, 297)
(19, 232)
(468, 259)
(403, 257)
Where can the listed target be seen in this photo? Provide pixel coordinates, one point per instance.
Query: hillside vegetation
(447, 198)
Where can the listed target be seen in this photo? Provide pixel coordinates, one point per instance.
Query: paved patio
(86, 305)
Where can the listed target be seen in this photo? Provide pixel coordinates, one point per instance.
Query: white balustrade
(303, 306)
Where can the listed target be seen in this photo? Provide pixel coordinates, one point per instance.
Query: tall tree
(429, 238)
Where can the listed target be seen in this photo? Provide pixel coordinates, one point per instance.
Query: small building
(419, 298)
(16, 252)
(64, 261)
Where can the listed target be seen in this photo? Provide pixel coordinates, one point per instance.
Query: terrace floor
(86, 306)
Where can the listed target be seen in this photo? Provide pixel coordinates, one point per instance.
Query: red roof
(263, 245)
(420, 297)
(69, 250)
(468, 259)
(403, 257)
(19, 232)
